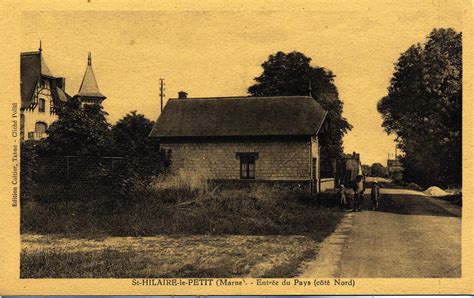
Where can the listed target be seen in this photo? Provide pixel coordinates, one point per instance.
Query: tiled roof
(32, 68)
(240, 116)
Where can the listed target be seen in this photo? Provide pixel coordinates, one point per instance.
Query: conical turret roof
(89, 87)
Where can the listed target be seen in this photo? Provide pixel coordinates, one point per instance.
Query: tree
(423, 109)
(291, 74)
(366, 170)
(131, 136)
(378, 170)
(79, 131)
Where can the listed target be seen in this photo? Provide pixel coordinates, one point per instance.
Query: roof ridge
(235, 97)
(29, 53)
(244, 116)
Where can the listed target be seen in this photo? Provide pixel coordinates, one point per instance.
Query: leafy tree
(366, 170)
(292, 74)
(424, 109)
(131, 136)
(79, 131)
(378, 170)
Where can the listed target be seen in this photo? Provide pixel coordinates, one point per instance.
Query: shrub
(129, 176)
(28, 156)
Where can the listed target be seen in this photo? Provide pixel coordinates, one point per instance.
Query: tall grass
(180, 204)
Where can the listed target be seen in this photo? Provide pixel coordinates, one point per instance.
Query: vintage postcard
(236, 147)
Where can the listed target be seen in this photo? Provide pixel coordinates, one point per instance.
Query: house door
(314, 175)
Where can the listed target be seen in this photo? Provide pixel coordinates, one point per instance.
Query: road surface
(411, 236)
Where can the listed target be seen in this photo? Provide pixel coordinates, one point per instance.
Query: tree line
(423, 108)
(85, 131)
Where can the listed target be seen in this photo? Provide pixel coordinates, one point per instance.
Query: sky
(219, 52)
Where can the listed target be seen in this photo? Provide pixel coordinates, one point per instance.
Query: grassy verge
(97, 211)
(164, 256)
(173, 228)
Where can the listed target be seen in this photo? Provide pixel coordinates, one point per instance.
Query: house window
(40, 129)
(41, 105)
(247, 165)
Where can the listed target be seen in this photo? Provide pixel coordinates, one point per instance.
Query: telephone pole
(162, 92)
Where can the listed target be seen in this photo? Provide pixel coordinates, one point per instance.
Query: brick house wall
(282, 161)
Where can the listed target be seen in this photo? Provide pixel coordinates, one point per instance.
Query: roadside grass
(416, 205)
(455, 199)
(192, 228)
(164, 256)
(174, 208)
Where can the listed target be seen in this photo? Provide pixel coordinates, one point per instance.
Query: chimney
(182, 95)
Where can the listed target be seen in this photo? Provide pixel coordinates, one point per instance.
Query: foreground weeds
(171, 206)
(164, 256)
(175, 227)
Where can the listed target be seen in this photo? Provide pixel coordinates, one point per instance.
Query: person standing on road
(375, 195)
(359, 189)
(342, 197)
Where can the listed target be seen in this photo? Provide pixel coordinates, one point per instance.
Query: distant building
(42, 94)
(350, 166)
(395, 169)
(244, 139)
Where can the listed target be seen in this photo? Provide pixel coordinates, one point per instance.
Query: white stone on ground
(435, 192)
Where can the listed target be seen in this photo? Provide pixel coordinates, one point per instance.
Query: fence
(60, 169)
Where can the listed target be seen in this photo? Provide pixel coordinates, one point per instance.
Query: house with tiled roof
(42, 93)
(244, 139)
(350, 166)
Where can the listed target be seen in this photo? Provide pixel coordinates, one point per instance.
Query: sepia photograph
(237, 163)
(318, 143)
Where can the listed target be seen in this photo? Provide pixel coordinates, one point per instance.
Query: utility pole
(162, 92)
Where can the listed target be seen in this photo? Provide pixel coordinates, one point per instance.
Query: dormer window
(41, 105)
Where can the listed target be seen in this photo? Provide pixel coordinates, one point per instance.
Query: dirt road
(410, 236)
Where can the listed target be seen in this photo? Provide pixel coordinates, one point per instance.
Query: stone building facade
(246, 139)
